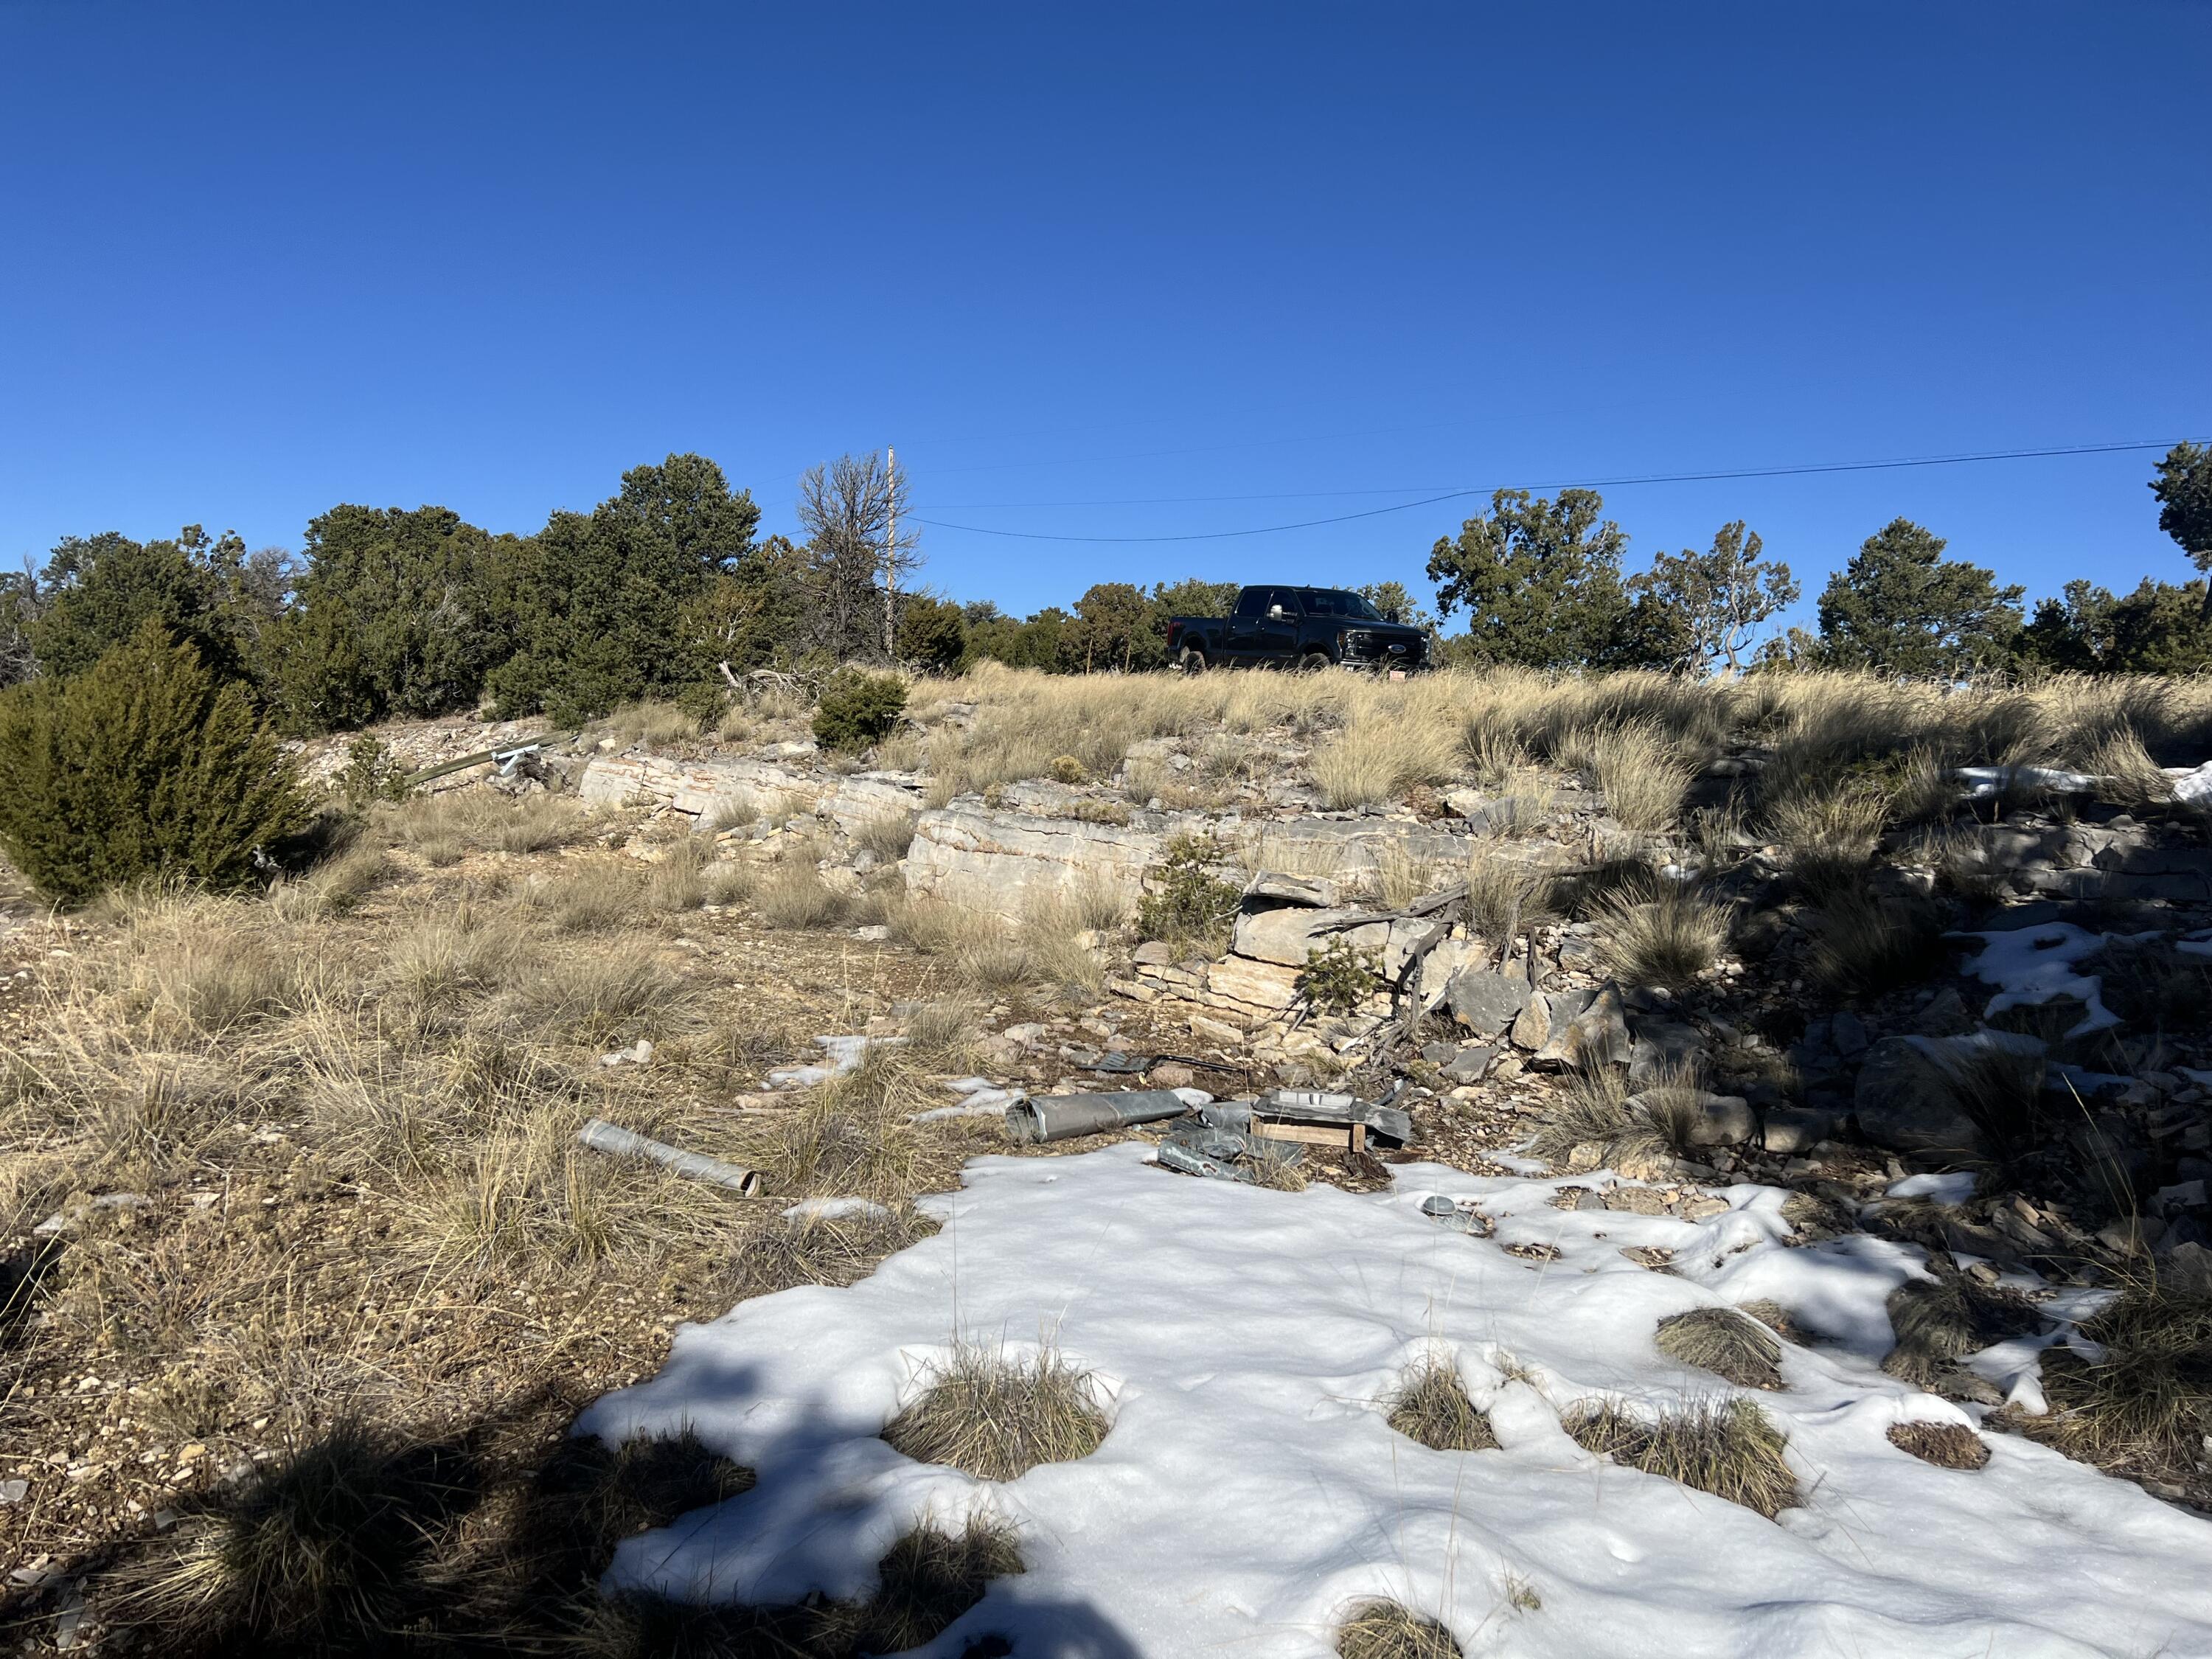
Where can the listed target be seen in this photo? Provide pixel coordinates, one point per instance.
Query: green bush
(145, 765)
(858, 708)
(372, 774)
(1185, 903)
(1340, 976)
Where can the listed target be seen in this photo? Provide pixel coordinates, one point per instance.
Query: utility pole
(891, 559)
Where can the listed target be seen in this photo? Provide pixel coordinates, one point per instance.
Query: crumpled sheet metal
(1200, 1148)
(1044, 1118)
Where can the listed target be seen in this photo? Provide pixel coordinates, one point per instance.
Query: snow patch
(2031, 966)
(1250, 1490)
(830, 1209)
(845, 1053)
(1987, 782)
(1943, 1188)
(2192, 785)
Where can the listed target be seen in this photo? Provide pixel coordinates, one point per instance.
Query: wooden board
(1353, 1137)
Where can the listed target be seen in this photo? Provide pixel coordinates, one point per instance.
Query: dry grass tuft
(795, 896)
(595, 992)
(1999, 1089)
(1725, 1342)
(887, 834)
(852, 1137)
(835, 1250)
(1666, 935)
(730, 883)
(1504, 891)
(2145, 1405)
(1402, 876)
(1643, 773)
(320, 1546)
(1868, 945)
(1728, 1448)
(649, 723)
(995, 1415)
(193, 968)
(2126, 774)
(1776, 1318)
(1595, 1113)
(1828, 834)
(1387, 1630)
(1372, 763)
(1043, 953)
(925, 1580)
(677, 882)
(443, 829)
(1939, 1321)
(1431, 1405)
(595, 902)
(1947, 1445)
(333, 888)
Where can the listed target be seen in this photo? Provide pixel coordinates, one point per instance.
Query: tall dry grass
(1492, 722)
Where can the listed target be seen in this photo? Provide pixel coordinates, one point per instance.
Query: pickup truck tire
(1192, 659)
(1313, 662)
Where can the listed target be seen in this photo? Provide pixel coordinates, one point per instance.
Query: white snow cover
(2192, 785)
(1251, 1492)
(1943, 1188)
(831, 1209)
(2033, 965)
(983, 1102)
(1987, 782)
(845, 1054)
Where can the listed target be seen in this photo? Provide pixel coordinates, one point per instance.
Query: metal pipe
(1066, 1117)
(602, 1136)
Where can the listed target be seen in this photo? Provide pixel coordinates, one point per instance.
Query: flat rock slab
(1484, 1002)
(1597, 1035)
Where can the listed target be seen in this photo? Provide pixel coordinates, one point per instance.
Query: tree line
(392, 612)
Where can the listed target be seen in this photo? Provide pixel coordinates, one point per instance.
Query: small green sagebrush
(145, 765)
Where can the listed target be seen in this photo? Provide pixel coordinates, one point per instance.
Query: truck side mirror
(1275, 612)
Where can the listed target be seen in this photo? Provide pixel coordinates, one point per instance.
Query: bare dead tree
(858, 549)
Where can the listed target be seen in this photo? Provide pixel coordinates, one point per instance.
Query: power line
(1582, 483)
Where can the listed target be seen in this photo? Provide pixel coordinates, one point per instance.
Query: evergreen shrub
(145, 765)
(856, 709)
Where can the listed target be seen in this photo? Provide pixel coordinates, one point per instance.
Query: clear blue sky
(261, 260)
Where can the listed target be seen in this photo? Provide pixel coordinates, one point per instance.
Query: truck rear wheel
(1313, 662)
(1193, 660)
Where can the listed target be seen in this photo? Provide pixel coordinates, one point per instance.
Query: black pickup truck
(1294, 627)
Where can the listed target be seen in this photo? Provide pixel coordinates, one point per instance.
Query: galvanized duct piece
(602, 1136)
(1066, 1117)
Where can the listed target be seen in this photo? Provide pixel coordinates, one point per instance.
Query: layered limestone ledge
(707, 789)
(1010, 863)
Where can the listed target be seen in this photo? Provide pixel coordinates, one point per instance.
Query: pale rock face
(1264, 985)
(1005, 863)
(1596, 1034)
(1487, 1003)
(1290, 935)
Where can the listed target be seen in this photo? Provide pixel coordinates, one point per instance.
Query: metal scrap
(602, 1136)
(1044, 1118)
(1200, 1148)
(1113, 1062)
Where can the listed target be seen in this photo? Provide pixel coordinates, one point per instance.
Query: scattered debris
(1044, 1118)
(845, 1053)
(602, 1136)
